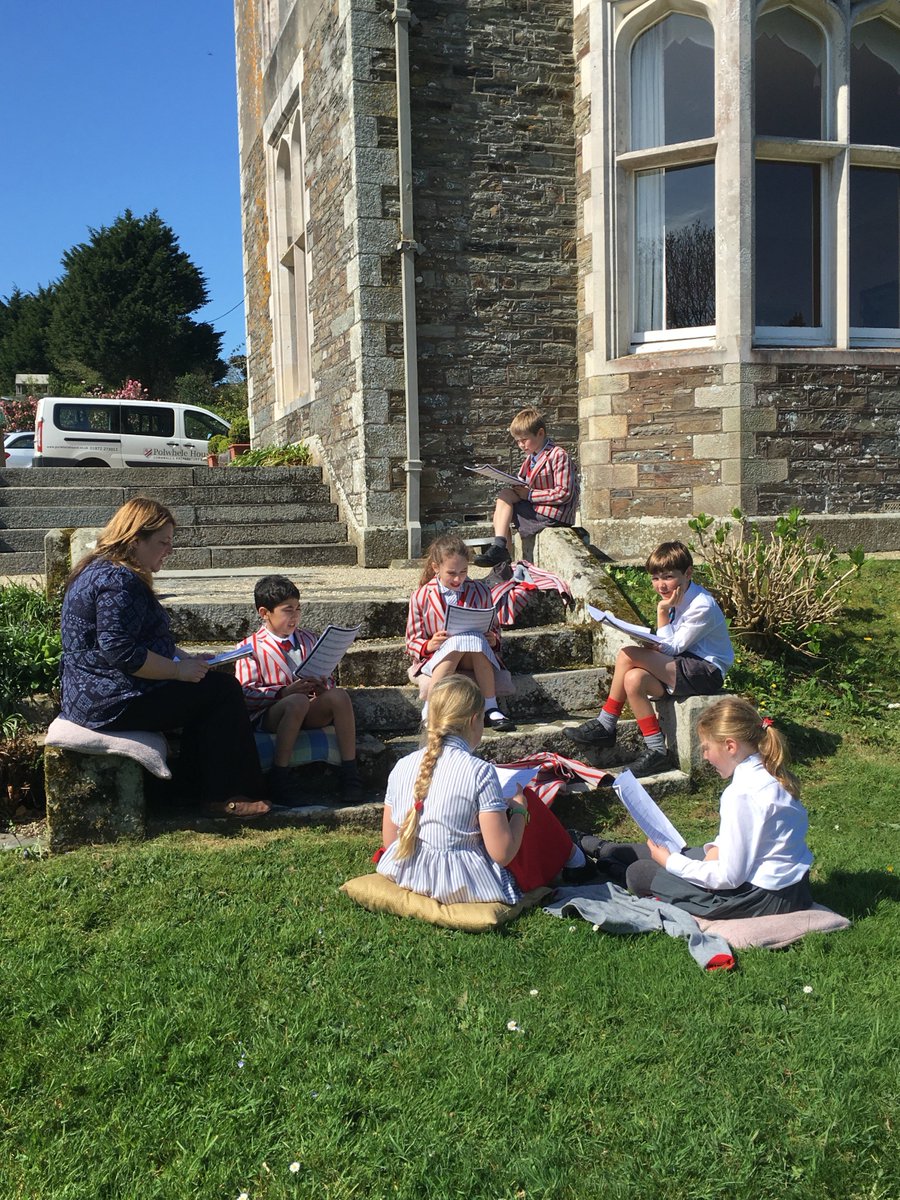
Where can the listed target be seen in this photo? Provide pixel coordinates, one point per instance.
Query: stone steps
(281, 517)
(200, 621)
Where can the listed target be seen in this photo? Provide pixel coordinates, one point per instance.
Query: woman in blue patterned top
(121, 668)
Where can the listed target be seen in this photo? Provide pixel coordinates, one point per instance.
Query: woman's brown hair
(448, 545)
(137, 518)
(732, 717)
(452, 703)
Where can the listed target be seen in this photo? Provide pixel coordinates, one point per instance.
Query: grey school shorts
(695, 677)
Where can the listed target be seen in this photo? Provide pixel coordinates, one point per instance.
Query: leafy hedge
(30, 646)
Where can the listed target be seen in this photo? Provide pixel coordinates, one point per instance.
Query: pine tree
(123, 307)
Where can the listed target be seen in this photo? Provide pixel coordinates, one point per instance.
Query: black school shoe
(651, 762)
(591, 733)
(492, 557)
(495, 719)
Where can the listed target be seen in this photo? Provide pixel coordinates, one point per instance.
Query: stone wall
(836, 432)
(494, 194)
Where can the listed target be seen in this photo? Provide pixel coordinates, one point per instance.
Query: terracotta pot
(212, 460)
(238, 448)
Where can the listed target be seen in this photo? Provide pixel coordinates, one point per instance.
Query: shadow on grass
(807, 742)
(855, 894)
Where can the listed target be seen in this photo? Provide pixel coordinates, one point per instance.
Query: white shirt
(698, 627)
(761, 838)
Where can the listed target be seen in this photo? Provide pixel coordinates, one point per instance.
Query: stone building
(673, 225)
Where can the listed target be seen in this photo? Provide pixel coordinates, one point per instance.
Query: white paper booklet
(638, 631)
(468, 620)
(496, 473)
(325, 654)
(228, 656)
(646, 812)
(513, 778)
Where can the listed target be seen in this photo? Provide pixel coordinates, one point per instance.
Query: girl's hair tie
(418, 806)
(767, 722)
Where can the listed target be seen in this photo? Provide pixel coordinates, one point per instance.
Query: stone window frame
(287, 202)
(835, 154)
(630, 162)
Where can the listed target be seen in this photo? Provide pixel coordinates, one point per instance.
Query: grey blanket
(614, 910)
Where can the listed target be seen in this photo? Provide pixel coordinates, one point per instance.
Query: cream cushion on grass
(148, 749)
(380, 894)
(776, 931)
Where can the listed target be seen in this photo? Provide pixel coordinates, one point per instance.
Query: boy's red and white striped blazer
(552, 484)
(428, 611)
(268, 669)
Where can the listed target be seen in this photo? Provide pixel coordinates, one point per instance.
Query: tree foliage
(123, 308)
(24, 325)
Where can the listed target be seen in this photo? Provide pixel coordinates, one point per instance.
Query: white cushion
(148, 749)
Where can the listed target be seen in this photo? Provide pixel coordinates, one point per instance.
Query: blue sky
(115, 104)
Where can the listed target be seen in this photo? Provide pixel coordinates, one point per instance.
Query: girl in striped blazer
(435, 653)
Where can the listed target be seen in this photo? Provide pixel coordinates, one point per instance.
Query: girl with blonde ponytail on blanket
(448, 831)
(758, 864)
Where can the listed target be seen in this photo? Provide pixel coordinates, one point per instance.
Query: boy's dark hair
(272, 590)
(528, 421)
(670, 556)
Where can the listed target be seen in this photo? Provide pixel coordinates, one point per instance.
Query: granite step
(273, 494)
(226, 621)
(137, 477)
(283, 558)
(208, 536)
(66, 516)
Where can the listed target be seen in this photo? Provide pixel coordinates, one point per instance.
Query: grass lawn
(189, 1017)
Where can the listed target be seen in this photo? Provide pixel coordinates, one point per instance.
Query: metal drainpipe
(401, 17)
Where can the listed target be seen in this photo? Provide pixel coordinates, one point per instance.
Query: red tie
(287, 645)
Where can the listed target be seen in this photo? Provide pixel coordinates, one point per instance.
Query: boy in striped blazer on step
(283, 704)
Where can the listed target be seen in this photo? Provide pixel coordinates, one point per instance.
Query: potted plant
(216, 445)
(239, 435)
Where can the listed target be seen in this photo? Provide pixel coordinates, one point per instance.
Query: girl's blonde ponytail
(732, 717)
(452, 703)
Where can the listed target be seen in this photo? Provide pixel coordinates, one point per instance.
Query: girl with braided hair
(448, 831)
(758, 864)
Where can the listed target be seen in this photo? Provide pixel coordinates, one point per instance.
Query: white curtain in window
(648, 129)
(649, 256)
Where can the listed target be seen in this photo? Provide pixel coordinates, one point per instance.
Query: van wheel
(93, 462)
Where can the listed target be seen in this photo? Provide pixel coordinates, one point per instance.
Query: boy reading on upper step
(283, 704)
(547, 495)
(692, 661)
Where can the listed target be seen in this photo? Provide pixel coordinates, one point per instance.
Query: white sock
(490, 702)
(576, 858)
(425, 711)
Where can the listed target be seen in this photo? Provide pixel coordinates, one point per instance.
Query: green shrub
(296, 455)
(240, 429)
(779, 591)
(30, 646)
(218, 443)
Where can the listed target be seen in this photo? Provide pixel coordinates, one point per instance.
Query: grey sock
(499, 541)
(655, 741)
(608, 721)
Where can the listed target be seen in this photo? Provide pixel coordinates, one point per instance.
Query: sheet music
(638, 631)
(497, 473)
(647, 813)
(468, 620)
(326, 653)
(513, 778)
(228, 656)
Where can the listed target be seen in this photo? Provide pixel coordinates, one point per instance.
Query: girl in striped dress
(436, 654)
(448, 831)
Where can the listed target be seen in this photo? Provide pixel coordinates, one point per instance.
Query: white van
(74, 431)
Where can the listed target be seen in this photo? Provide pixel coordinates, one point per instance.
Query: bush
(30, 646)
(218, 443)
(295, 455)
(779, 591)
(239, 433)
